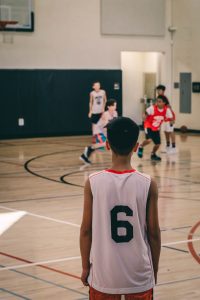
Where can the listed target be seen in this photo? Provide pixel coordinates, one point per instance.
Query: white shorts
(167, 127)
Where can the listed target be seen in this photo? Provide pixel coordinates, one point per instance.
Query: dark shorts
(95, 118)
(153, 135)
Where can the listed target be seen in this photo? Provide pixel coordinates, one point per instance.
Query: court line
(39, 263)
(41, 266)
(14, 294)
(76, 225)
(46, 281)
(176, 228)
(181, 242)
(178, 281)
(42, 198)
(43, 217)
(190, 242)
(27, 168)
(176, 249)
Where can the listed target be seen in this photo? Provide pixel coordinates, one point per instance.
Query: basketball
(183, 129)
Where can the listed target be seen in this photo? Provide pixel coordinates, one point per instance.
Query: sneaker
(85, 159)
(140, 152)
(88, 151)
(155, 157)
(166, 149)
(173, 150)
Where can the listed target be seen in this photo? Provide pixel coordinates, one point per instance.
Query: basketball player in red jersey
(120, 236)
(168, 126)
(155, 115)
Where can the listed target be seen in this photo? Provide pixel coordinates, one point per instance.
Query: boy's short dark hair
(163, 98)
(97, 81)
(122, 134)
(110, 102)
(161, 87)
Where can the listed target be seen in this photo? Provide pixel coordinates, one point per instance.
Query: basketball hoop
(7, 36)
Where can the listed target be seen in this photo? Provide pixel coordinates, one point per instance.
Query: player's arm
(86, 233)
(169, 116)
(90, 105)
(104, 101)
(153, 229)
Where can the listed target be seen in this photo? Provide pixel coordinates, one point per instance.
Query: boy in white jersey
(99, 130)
(120, 235)
(97, 103)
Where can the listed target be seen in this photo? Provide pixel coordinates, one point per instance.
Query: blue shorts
(99, 139)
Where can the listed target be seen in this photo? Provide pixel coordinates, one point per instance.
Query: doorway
(141, 73)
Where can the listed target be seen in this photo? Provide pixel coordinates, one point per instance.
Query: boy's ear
(107, 145)
(136, 147)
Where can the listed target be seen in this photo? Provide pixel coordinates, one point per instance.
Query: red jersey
(156, 116)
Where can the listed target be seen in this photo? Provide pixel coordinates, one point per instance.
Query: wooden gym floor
(41, 195)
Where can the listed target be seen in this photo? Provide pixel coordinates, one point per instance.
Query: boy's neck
(121, 163)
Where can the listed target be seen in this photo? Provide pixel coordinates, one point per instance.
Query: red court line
(190, 244)
(41, 266)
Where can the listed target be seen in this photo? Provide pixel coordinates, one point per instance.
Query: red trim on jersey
(120, 172)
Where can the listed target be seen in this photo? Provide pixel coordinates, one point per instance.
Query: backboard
(20, 12)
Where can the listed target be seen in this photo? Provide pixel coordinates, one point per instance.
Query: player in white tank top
(99, 131)
(120, 235)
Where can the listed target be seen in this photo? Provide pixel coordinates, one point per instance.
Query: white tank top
(98, 101)
(120, 255)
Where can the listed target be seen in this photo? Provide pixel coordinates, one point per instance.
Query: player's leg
(148, 295)
(173, 139)
(96, 295)
(167, 137)
(143, 144)
(155, 135)
(166, 127)
(100, 139)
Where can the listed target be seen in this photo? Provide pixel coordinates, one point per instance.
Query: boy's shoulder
(143, 175)
(108, 171)
(96, 174)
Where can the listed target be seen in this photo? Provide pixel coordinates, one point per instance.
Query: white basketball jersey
(120, 255)
(98, 101)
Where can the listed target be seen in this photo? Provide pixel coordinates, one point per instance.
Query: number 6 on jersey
(115, 224)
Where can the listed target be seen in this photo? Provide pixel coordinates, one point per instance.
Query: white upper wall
(186, 49)
(67, 35)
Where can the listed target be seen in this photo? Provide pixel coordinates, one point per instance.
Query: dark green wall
(52, 102)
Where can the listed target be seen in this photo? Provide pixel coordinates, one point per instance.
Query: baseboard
(188, 130)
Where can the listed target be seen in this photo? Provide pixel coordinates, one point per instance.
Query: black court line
(178, 281)
(45, 281)
(43, 198)
(174, 192)
(178, 179)
(26, 166)
(62, 180)
(176, 228)
(176, 249)
(10, 163)
(177, 198)
(14, 294)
